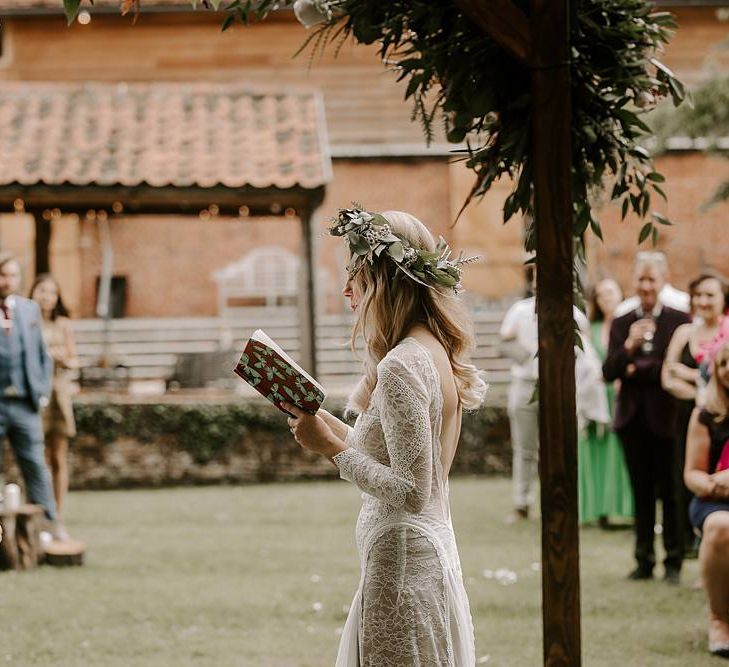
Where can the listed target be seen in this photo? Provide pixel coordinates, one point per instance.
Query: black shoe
(518, 515)
(640, 573)
(720, 649)
(672, 576)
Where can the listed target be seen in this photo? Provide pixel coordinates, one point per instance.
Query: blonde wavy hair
(392, 303)
(717, 395)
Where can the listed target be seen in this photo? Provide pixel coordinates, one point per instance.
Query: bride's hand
(312, 432)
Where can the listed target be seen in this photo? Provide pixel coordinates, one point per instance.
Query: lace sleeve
(404, 413)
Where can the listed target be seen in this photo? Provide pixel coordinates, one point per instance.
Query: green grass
(219, 576)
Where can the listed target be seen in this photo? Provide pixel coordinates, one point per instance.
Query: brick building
(168, 263)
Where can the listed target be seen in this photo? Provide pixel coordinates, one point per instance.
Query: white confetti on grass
(483, 659)
(315, 578)
(505, 577)
(317, 607)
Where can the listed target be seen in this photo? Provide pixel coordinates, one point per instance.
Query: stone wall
(126, 444)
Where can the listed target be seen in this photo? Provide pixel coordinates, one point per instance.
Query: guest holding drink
(643, 414)
(681, 377)
(58, 420)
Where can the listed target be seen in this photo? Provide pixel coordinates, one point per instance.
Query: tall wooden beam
(552, 159)
(504, 22)
(543, 42)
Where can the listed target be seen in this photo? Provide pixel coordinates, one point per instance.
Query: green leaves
(456, 74)
(397, 252)
(71, 9)
(645, 232)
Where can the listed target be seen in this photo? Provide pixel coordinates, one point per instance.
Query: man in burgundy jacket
(644, 414)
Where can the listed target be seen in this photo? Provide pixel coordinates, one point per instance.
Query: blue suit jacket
(38, 364)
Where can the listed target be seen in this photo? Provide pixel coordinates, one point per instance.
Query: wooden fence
(152, 349)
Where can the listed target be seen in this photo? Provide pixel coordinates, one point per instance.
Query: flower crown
(369, 236)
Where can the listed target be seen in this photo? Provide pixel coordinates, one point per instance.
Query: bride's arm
(404, 405)
(339, 428)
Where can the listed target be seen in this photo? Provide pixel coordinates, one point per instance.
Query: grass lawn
(262, 576)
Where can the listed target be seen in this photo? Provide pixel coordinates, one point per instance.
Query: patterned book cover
(276, 376)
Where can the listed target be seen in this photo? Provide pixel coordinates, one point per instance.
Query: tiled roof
(161, 134)
(56, 6)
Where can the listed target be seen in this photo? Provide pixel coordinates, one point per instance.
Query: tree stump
(9, 559)
(27, 535)
(68, 552)
(20, 548)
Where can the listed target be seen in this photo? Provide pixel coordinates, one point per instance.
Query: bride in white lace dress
(411, 606)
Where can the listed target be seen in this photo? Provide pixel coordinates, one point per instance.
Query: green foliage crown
(369, 237)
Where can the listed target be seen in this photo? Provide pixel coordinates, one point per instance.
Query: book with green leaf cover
(276, 376)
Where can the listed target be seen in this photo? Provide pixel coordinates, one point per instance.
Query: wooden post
(307, 296)
(42, 243)
(545, 47)
(551, 127)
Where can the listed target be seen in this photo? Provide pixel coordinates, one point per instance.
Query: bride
(411, 607)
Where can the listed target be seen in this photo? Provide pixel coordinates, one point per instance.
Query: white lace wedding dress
(411, 607)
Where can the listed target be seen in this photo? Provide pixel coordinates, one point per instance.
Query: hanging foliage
(707, 120)
(460, 78)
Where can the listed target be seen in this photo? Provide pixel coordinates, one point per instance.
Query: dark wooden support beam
(166, 200)
(42, 243)
(551, 126)
(307, 295)
(504, 22)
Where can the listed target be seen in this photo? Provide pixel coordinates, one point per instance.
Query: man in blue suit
(26, 370)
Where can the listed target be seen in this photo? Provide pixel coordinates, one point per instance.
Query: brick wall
(698, 239)
(168, 262)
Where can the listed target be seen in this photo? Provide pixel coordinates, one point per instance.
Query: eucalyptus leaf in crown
(369, 237)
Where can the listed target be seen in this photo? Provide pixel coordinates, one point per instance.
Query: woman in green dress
(604, 486)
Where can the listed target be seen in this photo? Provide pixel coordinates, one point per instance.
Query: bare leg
(58, 455)
(714, 563)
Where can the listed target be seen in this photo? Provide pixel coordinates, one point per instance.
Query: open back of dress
(411, 607)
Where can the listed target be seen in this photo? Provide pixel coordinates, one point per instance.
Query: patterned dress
(411, 606)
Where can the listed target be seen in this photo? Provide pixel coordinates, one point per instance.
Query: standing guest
(519, 338)
(668, 295)
(680, 375)
(707, 476)
(26, 369)
(411, 606)
(58, 420)
(519, 342)
(644, 414)
(604, 483)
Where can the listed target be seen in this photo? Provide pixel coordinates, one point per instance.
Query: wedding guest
(644, 413)
(58, 420)
(707, 476)
(26, 369)
(680, 375)
(519, 342)
(604, 483)
(411, 606)
(668, 295)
